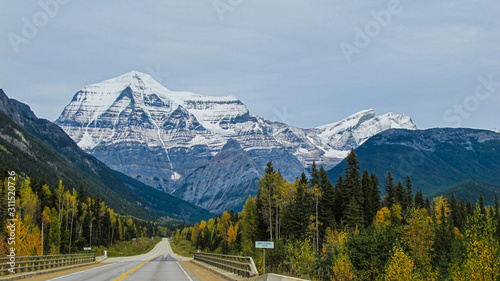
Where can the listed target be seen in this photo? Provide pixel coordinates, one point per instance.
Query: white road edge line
(64, 276)
(184, 271)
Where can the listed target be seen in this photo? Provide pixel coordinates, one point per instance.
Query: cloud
(270, 54)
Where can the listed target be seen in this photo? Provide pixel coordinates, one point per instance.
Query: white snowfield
(134, 108)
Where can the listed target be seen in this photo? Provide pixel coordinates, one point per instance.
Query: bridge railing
(243, 266)
(34, 263)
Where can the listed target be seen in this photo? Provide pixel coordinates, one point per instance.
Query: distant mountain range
(439, 161)
(211, 152)
(187, 143)
(38, 147)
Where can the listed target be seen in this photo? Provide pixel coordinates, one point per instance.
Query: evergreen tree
(303, 179)
(298, 212)
(409, 192)
(400, 195)
(456, 213)
(419, 199)
(354, 215)
(469, 209)
(366, 186)
(326, 215)
(427, 204)
(497, 216)
(374, 196)
(269, 167)
(338, 210)
(481, 205)
(314, 175)
(390, 191)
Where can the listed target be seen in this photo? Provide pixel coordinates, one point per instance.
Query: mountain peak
(231, 148)
(353, 119)
(134, 79)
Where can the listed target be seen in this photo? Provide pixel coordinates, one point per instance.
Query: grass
(183, 247)
(129, 248)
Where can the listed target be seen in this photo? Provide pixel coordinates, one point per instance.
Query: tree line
(347, 231)
(59, 220)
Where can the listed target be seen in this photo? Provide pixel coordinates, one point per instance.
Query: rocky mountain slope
(225, 182)
(162, 137)
(37, 147)
(435, 159)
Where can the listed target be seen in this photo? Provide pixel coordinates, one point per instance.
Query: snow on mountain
(339, 137)
(137, 126)
(496, 130)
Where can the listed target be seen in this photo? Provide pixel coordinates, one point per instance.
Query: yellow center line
(132, 270)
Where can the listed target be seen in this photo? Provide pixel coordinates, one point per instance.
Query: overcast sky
(306, 63)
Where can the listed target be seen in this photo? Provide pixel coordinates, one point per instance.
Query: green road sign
(264, 244)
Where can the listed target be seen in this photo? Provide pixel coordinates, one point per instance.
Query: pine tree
(497, 216)
(427, 204)
(390, 191)
(366, 185)
(419, 199)
(400, 195)
(353, 215)
(374, 196)
(456, 212)
(337, 201)
(409, 192)
(269, 167)
(481, 204)
(298, 212)
(314, 175)
(303, 179)
(325, 215)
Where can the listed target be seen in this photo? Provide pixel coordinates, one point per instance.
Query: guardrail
(243, 266)
(34, 263)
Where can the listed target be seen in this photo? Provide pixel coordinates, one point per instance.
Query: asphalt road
(159, 264)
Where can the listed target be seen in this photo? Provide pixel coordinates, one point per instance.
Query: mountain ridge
(27, 139)
(434, 158)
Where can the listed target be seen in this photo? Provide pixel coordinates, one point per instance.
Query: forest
(59, 220)
(348, 231)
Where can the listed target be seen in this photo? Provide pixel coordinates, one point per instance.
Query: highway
(159, 264)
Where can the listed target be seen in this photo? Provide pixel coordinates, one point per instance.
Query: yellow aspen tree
(401, 267)
(441, 207)
(483, 253)
(383, 217)
(232, 234)
(420, 237)
(342, 268)
(223, 225)
(195, 233)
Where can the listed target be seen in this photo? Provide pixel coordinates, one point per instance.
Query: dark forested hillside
(435, 158)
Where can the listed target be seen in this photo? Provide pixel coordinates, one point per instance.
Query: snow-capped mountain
(138, 127)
